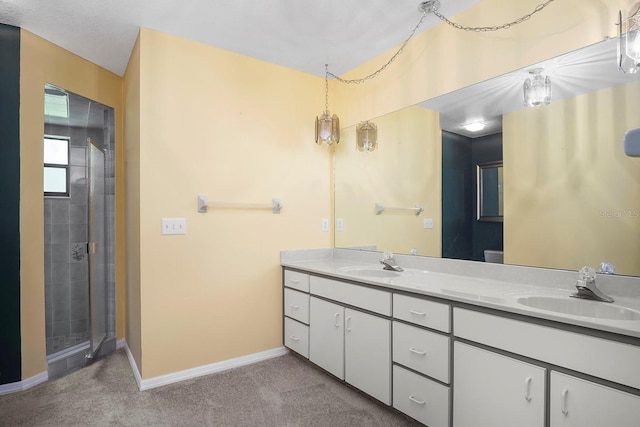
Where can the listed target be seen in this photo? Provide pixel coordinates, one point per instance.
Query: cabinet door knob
(418, 352)
(414, 400)
(527, 389)
(563, 401)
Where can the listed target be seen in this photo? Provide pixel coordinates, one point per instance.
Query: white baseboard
(121, 344)
(201, 370)
(24, 385)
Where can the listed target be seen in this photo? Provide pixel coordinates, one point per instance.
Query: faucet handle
(387, 255)
(587, 274)
(607, 268)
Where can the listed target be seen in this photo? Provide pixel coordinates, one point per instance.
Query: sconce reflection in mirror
(490, 195)
(366, 136)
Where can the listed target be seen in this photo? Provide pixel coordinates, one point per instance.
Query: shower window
(56, 166)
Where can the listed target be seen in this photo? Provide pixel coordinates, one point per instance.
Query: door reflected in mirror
(490, 192)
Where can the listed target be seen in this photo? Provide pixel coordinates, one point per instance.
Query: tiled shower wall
(66, 259)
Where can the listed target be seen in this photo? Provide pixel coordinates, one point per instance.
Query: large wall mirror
(570, 195)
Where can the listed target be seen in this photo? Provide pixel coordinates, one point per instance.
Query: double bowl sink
(560, 303)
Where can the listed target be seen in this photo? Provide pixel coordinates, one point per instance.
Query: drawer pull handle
(417, 313)
(563, 405)
(294, 338)
(414, 400)
(295, 307)
(347, 323)
(418, 352)
(294, 281)
(527, 389)
(337, 321)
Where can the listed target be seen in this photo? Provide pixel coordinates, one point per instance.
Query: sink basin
(370, 272)
(580, 307)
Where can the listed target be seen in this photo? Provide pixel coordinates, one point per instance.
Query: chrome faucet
(389, 263)
(586, 286)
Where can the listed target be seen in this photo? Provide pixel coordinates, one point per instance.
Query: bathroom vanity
(453, 343)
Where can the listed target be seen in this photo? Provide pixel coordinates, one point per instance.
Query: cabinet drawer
(359, 296)
(296, 336)
(296, 305)
(421, 312)
(296, 280)
(420, 398)
(582, 353)
(421, 350)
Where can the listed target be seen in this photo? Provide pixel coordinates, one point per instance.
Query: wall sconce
(629, 43)
(327, 126)
(366, 136)
(537, 89)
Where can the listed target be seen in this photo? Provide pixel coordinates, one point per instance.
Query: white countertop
(480, 289)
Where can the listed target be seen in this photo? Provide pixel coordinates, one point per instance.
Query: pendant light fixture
(366, 136)
(537, 89)
(629, 42)
(327, 126)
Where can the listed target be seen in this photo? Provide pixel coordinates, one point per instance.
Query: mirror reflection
(490, 192)
(571, 197)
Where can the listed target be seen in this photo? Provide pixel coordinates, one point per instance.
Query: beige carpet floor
(284, 391)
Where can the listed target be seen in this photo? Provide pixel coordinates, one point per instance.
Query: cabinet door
(494, 390)
(326, 336)
(368, 354)
(579, 403)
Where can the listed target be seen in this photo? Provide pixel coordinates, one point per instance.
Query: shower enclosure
(79, 230)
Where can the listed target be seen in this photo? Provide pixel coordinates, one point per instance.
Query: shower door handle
(92, 247)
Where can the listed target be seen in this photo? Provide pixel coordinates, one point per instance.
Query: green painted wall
(10, 354)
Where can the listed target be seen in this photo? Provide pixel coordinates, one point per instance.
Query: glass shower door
(97, 246)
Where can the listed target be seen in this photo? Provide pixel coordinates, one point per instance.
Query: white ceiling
(299, 34)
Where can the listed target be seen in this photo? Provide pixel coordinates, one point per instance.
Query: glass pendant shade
(366, 136)
(327, 129)
(537, 89)
(629, 43)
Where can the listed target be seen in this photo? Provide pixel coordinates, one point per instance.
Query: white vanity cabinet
(576, 402)
(490, 389)
(421, 359)
(296, 312)
(352, 345)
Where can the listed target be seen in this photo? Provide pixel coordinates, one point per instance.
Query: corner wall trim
(203, 370)
(24, 385)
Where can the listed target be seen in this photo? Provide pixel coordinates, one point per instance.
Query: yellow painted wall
(405, 170)
(40, 62)
(444, 59)
(131, 95)
(238, 130)
(572, 197)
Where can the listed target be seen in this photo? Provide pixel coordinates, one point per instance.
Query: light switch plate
(174, 226)
(428, 223)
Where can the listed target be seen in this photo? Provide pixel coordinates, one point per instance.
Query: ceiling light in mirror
(537, 89)
(475, 126)
(366, 136)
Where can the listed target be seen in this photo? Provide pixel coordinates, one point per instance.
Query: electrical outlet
(174, 226)
(339, 224)
(325, 224)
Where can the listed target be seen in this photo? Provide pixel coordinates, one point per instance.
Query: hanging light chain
(326, 87)
(430, 7)
(493, 28)
(381, 69)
